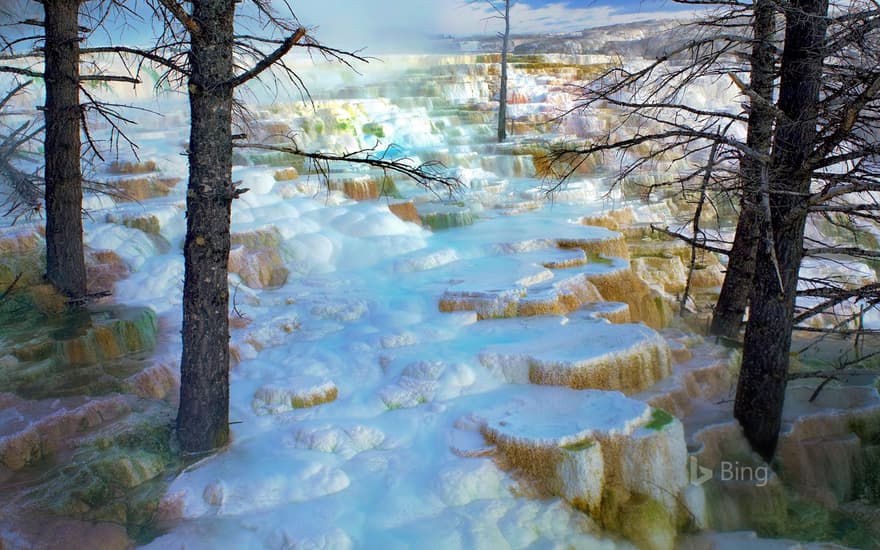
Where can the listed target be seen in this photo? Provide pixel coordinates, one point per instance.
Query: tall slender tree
(505, 48)
(220, 60)
(501, 9)
(65, 259)
(64, 115)
(202, 421)
(785, 191)
(734, 297)
(203, 416)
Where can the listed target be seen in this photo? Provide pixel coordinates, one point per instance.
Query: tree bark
(502, 95)
(203, 416)
(65, 260)
(760, 391)
(737, 286)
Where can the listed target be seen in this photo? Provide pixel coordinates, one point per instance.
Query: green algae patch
(809, 521)
(648, 524)
(79, 352)
(579, 446)
(867, 427)
(280, 160)
(141, 507)
(119, 474)
(27, 307)
(128, 469)
(867, 478)
(659, 419)
(373, 129)
(734, 505)
(599, 259)
(446, 220)
(387, 188)
(22, 265)
(27, 268)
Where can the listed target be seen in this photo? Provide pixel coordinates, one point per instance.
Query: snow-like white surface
(559, 418)
(376, 467)
(543, 230)
(556, 348)
(134, 246)
(566, 340)
(496, 273)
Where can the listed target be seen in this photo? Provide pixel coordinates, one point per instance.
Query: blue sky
(382, 22)
(383, 25)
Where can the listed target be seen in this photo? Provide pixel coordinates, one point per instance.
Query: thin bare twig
(9, 288)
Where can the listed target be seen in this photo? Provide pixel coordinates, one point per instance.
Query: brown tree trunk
(760, 393)
(65, 261)
(734, 297)
(203, 417)
(502, 95)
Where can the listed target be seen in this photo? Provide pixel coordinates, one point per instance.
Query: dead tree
(762, 381)
(505, 46)
(217, 61)
(658, 126)
(822, 163)
(734, 297)
(64, 114)
(651, 100)
(65, 259)
(502, 12)
(203, 416)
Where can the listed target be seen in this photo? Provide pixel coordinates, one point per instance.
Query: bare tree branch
(269, 59)
(146, 54)
(430, 174)
(108, 78)
(689, 240)
(182, 16)
(21, 71)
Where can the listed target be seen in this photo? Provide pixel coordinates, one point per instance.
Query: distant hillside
(640, 39)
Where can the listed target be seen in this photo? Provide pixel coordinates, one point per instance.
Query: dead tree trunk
(203, 417)
(213, 75)
(502, 95)
(65, 261)
(734, 297)
(760, 391)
